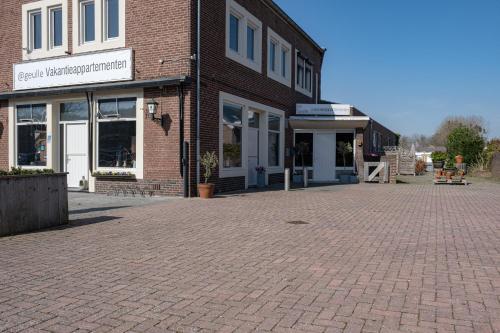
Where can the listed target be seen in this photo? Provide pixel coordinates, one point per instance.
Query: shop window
(345, 150)
(304, 146)
(279, 68)
(243, 36)
(31, 125)
(274, 140)
(117, 133)
(232, 134)
(304, 80)
(74, 111)
(253, 119)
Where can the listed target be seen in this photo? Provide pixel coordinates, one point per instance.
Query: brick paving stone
(372, 258)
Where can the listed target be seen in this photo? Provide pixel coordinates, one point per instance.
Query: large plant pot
(344, 179)
(298, 179)
(206, 191)
(459, 159)
(261, 180)
(438, 164)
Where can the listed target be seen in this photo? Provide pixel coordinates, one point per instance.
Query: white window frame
(245, 20)
(45, 7)
(264, 111)
(298, 87)
(281, 45)
(101, 41)
(52, 29)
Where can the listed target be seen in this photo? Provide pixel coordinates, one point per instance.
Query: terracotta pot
(459, 159)
(449, 174)
(438, 174)
(206, 191)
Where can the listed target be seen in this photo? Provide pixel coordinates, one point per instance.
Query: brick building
(106, 90)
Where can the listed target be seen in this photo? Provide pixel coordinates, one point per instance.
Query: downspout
(198, 89)
(180, 93)
(90, 115)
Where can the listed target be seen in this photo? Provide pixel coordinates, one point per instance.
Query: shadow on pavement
(95, 209)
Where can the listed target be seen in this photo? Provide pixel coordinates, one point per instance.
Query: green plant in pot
(301, 149)
(438, 159)
(344, 148)
(209, 162)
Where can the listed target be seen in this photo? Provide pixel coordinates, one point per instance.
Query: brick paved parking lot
(369, 258)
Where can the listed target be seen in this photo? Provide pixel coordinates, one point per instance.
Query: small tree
(209, 162)
(465, 141)
(344, 148)
(302, 148)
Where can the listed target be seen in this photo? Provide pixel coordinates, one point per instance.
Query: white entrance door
(76, 153)
(324, 157)
(253, 155)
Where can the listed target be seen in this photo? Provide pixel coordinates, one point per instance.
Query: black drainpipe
(183, 151)
(90, 114)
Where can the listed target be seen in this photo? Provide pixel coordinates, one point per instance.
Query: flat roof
(161, 82)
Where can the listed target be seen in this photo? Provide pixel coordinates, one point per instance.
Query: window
(243, 36)
(112, 19)
(232, 134)
(304, 146)
(304, 82)
(31, 125)
(253, 119)
(56, 27)
(74, 111)
(279, 68)
(117, 133)
(36, 30)
(88, 21)
(250, 43)
(345, 150)
(274, 140)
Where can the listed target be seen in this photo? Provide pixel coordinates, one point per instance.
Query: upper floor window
(243, 36)
(304, 75)
(44, 28)
(279, 55)
(98, 25)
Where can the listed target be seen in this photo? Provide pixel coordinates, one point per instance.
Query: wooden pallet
(444, 181)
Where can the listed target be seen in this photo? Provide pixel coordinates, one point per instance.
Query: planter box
(117, 177)
(29, 203)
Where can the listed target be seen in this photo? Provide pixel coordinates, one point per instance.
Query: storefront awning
(332, 122)
(161, 82)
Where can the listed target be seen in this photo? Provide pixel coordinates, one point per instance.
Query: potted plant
(261, 176)
(438, 159)
(209, 162)
(449, 168)
(301, 149)
(344, 148)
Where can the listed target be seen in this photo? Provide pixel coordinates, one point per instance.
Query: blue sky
(408, 63)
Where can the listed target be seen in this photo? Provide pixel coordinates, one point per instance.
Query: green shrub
(26, 172)
(465, 141)
(439, 156)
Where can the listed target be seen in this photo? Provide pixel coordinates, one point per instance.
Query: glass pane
(127, 107)
(32, 145)
(62, 165)
(284, 64)
(272, 56)
(108, 108)
(253, 119)
(74, 111)
(234, 27)
(112, 19)
(300, 75)
(304, 149)
(89, 22)
(39, 112)
(250, 43)
(345, 149)
(274, 149)
(57, 38)
(308, 79)
(117, 147)
(232, 114)
(36, 21)
(274, 123)
(24, 113)
(231, 146)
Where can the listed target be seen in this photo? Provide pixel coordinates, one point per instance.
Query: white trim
(281, 45)
(44, 7)
(245, 19)
(101, 42)
(298, 88)
(264, 110)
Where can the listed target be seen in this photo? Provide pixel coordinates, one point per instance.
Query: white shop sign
(323, 110)
(75, 70)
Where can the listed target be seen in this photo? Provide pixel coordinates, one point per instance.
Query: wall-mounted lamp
(152, 108)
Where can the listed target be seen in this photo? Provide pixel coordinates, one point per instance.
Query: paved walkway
(415, 258)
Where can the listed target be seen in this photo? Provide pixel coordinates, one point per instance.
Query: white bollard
(287, 179)
(306, 176)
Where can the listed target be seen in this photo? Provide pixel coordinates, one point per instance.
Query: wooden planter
(33, 202)
(115, 177)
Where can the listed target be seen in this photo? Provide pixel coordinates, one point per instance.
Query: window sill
(255, 65)
(273, 170)
(232, 172)
(276, 77)
(41, 54)
(303, 91)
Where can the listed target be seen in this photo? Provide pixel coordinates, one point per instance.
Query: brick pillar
(360, 158)
(393, 167)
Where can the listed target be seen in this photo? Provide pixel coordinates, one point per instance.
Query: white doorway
(324, 157)
(75, 152)
(253, 155)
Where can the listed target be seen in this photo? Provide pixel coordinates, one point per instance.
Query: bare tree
(477, 123)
